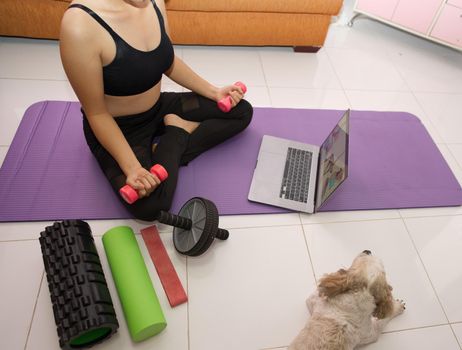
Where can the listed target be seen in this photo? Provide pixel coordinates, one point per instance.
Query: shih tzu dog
(349, 308)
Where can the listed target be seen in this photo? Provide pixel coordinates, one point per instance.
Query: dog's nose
(368, 252)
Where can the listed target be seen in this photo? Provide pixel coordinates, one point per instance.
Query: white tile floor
(249, 292)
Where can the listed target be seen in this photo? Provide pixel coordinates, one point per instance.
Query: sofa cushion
(330, 7)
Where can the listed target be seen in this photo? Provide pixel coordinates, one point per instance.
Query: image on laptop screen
(333, 160)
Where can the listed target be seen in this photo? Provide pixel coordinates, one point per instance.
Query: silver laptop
(301, 176)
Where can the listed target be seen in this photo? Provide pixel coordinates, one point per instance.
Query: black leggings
(175, 146)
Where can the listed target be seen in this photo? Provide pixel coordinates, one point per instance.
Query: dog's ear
(333, 284)
(340, 282)
(381, 291)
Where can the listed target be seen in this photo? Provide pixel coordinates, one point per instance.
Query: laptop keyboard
(296, 179)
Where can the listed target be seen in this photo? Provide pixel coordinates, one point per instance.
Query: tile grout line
(34, 79)
(18, 240)
(411, 90)
(355, 89)
(33, 311)
(308, 249)
(351, 221)
(264, 77)
(403, 219)
(426, 272)
(315, 223)
(237, 227)
(429, 216)
(310, 88)
(187, 307)
(453, 156)
(455, 335)
(427, 117)
(388, 332)
(416, 328)
(281, 225)
(399, 91)
(338, 78)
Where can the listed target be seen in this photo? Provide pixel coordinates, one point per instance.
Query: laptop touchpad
(270, 168)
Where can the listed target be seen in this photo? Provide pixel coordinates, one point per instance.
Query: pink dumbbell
(225, 103)
(130, 195)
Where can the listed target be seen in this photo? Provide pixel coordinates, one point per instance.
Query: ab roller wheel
(195, 226)
(82, 306)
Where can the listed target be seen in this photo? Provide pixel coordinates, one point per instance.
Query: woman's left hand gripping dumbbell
(141, 183)
(229, 96)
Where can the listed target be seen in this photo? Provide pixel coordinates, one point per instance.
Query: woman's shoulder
(77, 23)
(88, 3)
(76, 13)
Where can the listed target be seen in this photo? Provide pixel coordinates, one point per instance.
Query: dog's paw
(399, 307)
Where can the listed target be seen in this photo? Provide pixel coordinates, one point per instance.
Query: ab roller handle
(130, 195)
(186, 224)
(195, 226)
(225, 104)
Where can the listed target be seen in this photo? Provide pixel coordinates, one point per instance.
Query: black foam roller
(82, 305)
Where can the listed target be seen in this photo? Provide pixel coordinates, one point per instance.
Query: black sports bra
(133, 71)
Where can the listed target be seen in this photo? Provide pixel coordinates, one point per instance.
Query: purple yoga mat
(49, 173)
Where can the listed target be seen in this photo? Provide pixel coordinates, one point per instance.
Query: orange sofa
(302, 24)
(298, 23)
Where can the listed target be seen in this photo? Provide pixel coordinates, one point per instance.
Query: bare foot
(174, 120)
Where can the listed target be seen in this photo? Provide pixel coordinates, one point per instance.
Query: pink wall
(419, 15)
(449, 25)
(457, 3)
(380, 8)
(416, 14)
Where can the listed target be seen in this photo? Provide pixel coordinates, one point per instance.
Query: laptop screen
(333, 160)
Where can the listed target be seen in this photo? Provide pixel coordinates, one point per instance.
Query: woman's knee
(177, 121)
(171, 119)
(245, 113)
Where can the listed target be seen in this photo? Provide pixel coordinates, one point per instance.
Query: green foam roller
(141, 307)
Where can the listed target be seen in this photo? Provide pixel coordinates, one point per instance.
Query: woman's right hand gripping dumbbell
(141, 183)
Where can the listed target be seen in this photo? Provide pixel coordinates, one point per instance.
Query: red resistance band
(172, 285)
